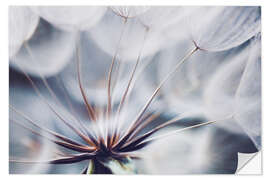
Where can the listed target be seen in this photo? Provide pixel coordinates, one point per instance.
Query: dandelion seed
(22, 24)
(129, 11)
(132, 39)
(101, 145)
(222, 28)
(111, 136)
(70, 18)
(51, 49)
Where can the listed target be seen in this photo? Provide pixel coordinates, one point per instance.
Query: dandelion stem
(184, 129)
(45, 82)
(144, 124)
(111, 69)
(83, 127)
(132, 75)
(60, 143)
(89, 108)
(139, 139)
(118, 72)
(122, 102)
(62, 160)
(44, 129)
(138, 120)
(86, 139)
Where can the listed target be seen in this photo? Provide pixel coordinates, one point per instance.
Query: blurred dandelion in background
(133, 89)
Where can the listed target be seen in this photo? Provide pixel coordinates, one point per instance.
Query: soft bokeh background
(211, 84)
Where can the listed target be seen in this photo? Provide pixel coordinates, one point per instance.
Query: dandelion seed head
(70, 18)
(129, 11)
(108, 130)
(21, 24)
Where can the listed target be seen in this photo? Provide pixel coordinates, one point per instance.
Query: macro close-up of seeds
(134, 89)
